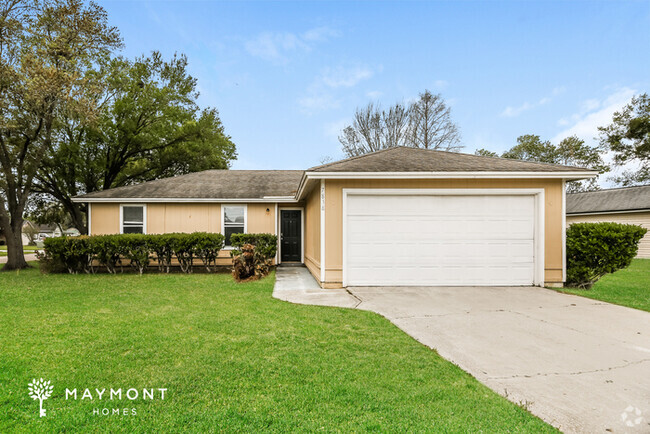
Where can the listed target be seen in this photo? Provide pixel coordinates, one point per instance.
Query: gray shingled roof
(257, 184)
(211, 184)
(614, 199)
(405, 159)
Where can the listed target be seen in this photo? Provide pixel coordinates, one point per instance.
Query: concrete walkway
(296, 284)
(579, 364)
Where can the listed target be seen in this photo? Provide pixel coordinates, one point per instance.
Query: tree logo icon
(41, 390)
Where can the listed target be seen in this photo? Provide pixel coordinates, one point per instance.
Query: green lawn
(629, 287)
(232, 358)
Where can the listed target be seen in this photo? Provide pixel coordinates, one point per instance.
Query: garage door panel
(439, 240)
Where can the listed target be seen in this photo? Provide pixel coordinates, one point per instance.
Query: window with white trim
(133, 219)
(234, 221)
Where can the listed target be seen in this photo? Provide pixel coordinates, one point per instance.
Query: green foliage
(596, 249)
(80, 254)
(485, 153)
(149, 127)
(48, 49)
(571, 151)
(252, 255)
(628, 136)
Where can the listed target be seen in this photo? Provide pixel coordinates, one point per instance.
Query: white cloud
(278, 46)
(511, 112)
(440, 84)
(318, 102)
(374, 94)
(321, 94)
(593, 113)
(345, 77)
(318, 34)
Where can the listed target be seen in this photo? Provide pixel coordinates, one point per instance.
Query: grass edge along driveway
(231, 357)
(628, 287)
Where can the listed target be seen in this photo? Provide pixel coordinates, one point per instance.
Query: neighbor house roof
(610, 200)
(406, 159)
(210, 184)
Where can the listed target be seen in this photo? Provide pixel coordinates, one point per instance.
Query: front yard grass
(628, 287)
(231, 357)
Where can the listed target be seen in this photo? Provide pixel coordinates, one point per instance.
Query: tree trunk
(15, 254)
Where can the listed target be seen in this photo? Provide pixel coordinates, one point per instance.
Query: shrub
(596, 249)
(265, 244)
(207, 247)
(71, 254)
(252, 255)
(135, 248)
(77, 254)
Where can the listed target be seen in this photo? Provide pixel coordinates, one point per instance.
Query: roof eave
(267, 199)
(613, 211)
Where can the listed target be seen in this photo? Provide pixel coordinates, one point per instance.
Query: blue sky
(288, 76)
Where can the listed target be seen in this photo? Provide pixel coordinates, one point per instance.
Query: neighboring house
(52, 230)
(629, 205)
(400, 216)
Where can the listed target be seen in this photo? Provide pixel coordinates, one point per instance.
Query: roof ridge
(445, 152)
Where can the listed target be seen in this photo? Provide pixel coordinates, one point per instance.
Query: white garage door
(432, 239)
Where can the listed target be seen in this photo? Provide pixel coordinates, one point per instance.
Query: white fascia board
(283, 199)
(441, 175)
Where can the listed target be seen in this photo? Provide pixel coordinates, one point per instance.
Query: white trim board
(538, 193)
(322, 230)
(181, 200)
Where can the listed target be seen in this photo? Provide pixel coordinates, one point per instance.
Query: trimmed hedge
(596, 249)
(80, 254)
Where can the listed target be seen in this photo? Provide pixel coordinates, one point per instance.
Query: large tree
(46, 47)
(571, 151)
(430, 124)
(149, 127)
(425, 123)
(628, 136)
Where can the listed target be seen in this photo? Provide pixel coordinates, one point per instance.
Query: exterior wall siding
(165, 218)
(553, 217)
(312, 232)
(632, 218)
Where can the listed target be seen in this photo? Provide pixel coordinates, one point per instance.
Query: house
(630, 205)
(400, 216)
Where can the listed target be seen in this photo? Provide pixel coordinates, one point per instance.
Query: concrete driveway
(579, 364)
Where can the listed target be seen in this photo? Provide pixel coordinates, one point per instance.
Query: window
(234, 221)
(133, 217)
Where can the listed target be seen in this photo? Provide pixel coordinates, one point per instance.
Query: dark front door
(290, 235)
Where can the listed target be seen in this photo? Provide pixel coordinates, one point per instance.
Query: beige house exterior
(464, 215)
(629, 205)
